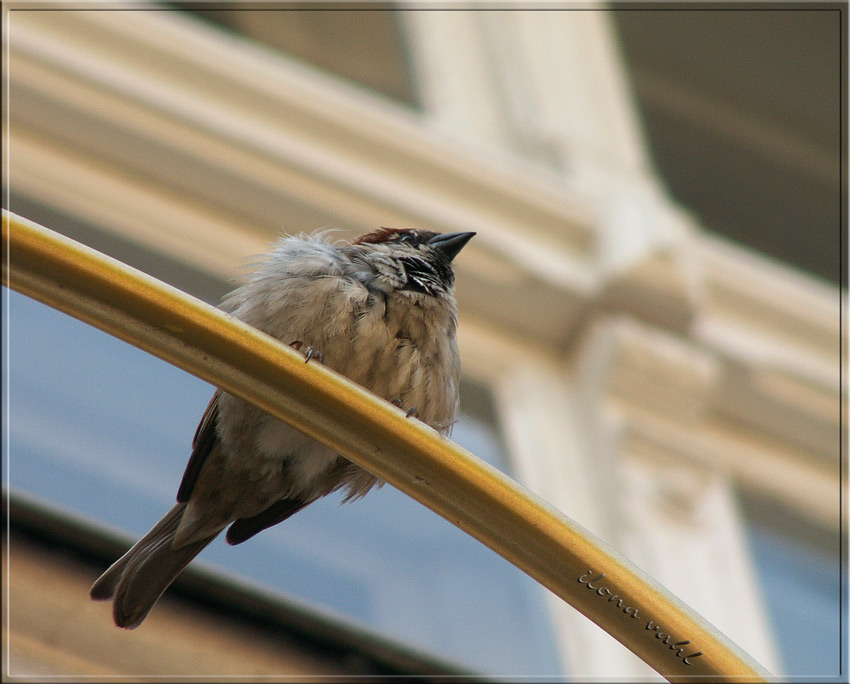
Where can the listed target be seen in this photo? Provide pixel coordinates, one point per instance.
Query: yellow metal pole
(373, 433)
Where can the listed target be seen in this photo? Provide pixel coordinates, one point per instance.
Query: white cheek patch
(390, 270)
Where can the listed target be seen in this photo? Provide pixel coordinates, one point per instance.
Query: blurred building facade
(676, 393)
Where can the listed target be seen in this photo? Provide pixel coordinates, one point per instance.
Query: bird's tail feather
(136, 580)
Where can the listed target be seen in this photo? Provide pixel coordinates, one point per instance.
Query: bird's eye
(407, 239)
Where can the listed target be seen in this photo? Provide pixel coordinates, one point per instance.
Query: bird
(380, 310)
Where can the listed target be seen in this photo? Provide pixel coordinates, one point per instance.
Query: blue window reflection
(800, 577)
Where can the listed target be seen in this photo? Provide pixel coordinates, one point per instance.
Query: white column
(548, 85)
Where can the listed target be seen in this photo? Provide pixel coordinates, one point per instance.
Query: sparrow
(380, 310)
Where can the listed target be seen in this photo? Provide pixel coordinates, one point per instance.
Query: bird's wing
(245, 528)
(202, 443)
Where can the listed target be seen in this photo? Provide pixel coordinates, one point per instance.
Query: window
(742, 112)
(799, 569)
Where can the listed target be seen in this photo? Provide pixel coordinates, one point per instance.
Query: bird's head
(415, 261)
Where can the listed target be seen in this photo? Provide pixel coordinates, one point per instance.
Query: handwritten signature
(663, 637)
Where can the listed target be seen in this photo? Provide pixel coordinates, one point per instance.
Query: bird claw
(313, 353)
(410, 412)
(309, 353)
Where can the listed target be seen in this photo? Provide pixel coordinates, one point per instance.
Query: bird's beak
(449, 244)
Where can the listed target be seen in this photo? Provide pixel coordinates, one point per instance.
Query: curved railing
(516, 524)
